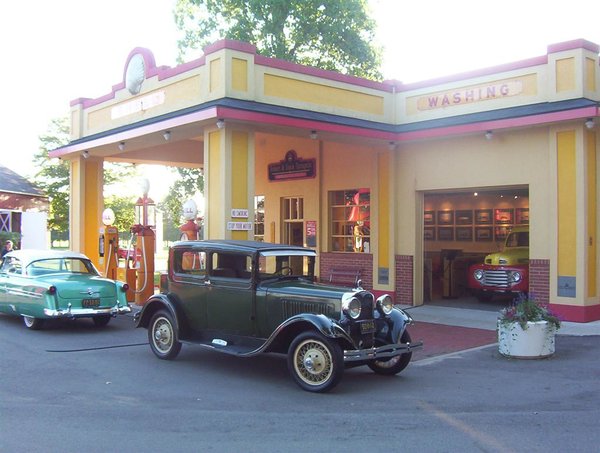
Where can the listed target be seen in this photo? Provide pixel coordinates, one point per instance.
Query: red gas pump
(190, 229)
(145, 239)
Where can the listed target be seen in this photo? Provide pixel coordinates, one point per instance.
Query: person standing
(8, 247)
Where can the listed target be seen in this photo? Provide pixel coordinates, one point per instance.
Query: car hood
(305, 288)
(73, 286)
(509, 256)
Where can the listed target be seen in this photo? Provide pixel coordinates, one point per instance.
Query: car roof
(227, 245)
(28, 255)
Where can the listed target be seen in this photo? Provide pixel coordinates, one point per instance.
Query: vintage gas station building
(407, 184)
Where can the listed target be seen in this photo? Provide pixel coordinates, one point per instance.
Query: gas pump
(142, 234)
(190, 229)
(108, 245)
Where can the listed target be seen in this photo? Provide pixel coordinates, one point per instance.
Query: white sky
(55, 51)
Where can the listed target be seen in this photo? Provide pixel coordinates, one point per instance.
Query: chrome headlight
(385, 303)
(478, 274)
(351, 307)
(515, 277)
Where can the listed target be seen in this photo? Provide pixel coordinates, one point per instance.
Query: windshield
(518, 239)
(282, 264)
(61, 265)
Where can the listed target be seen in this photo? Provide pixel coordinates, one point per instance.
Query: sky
(53, 52)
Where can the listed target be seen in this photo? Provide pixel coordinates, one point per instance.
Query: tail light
(125, 287)
(51, 290)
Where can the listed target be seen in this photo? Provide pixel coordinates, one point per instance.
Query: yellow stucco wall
(592, 213)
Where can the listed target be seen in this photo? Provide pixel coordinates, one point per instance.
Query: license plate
(367, 326)
(90, 303)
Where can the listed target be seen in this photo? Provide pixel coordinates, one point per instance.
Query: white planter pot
(534, 342)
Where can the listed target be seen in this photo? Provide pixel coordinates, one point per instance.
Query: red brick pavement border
(441, 339)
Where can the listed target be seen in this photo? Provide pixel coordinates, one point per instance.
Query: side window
(189, 262)
(231, 266)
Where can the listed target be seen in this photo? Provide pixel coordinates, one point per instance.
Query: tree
(53, 177)
(337, 35)
(190, 181)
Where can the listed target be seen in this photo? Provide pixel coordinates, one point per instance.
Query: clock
(135, 74)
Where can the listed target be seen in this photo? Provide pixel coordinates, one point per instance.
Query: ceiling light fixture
(589, 123)
(85, 154)
(489, 135)
(220, 123)
(167, 135)
(121, 146)
(313, 134)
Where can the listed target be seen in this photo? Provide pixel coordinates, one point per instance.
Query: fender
(157, 302)
(322, 324)
(400, 319)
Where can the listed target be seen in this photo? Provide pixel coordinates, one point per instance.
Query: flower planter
(534, 342)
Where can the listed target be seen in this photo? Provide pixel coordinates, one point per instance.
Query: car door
(230, 295)
(189, 281)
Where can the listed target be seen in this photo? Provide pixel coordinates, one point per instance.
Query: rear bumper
(383, 352)
(86, 312)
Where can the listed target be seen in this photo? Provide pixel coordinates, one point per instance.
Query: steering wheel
(287, 269)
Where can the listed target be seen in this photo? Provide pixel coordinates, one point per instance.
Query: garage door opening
(461, 227)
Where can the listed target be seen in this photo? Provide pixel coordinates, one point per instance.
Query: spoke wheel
(315, 362)
(393, 365)
(33, 323)
(162, 337)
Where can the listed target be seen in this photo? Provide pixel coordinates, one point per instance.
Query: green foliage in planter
(525, 309)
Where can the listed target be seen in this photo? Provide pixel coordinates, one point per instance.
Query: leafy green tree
(124, 209)
(53, 177)
(53, 174)
(189, 182)
(336, 35)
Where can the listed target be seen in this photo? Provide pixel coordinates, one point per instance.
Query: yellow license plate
(90, 303)
(367, 326)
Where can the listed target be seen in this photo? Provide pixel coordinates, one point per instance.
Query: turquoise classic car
(46, 284)
(247, 298)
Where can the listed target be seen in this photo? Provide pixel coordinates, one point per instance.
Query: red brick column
(362, 261)
(539, 280)
(404, 279)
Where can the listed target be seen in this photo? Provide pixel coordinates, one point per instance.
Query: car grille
(495, 278)
(294, 307)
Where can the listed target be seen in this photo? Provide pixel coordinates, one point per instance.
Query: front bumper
(86, 312)
(382, 352)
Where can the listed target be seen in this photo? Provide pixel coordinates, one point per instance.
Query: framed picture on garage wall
(445, 233)
(464, 233)
(429, 218)
(464, 217)
(484, 234)
(522, 216)
(429, 234)
(500, 232)
(503, 216)
(445, 217)
(483, 216)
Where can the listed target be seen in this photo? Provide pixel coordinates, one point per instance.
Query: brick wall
(362, 261)
(404, 280)
(539, 280)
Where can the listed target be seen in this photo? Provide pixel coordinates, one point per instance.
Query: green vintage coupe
(46, 284)
(246, 298)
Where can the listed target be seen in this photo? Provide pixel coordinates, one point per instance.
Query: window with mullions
(350, 220)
